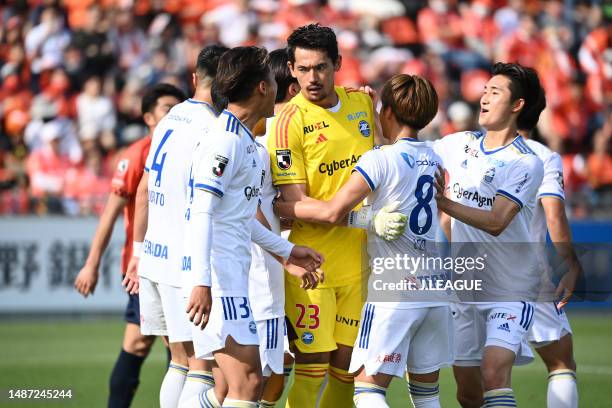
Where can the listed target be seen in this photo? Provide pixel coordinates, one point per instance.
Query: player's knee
(494, 377)
(138, 345)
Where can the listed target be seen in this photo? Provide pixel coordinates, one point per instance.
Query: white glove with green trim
(386, 223)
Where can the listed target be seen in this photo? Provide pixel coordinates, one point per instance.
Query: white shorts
(162, 311)
(549, 324)
(503, 324)
(271, 335)
(391, 340)
(229, 316)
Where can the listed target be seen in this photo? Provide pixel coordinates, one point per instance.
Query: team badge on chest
(283, 159)
(219, 165)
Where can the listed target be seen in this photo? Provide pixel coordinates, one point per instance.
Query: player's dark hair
(240, 70)
(152, 94)
(208, 60)
(413, 100)
(524, 84)
(281, 72)
(313, 37)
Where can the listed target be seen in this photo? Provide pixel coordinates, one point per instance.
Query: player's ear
(518, 105)
(263, 87)
(291, 68)
(294, 89)
(149, 119)
(338, 63)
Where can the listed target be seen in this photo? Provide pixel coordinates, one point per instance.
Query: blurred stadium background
(71, 76)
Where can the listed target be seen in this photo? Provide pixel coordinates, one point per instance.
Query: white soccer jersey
(403, 172)
(266, 279)
(229, 166)
(477, 177)
(173, 141)
(552, 186)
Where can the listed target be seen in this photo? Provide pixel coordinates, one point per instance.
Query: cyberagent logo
(283, 159)
(219, 164)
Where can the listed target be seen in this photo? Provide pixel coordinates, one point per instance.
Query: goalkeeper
(314, 143)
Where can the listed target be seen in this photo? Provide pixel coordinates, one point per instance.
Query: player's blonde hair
(412, 99)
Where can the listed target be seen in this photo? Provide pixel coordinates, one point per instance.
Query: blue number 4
(158, 166)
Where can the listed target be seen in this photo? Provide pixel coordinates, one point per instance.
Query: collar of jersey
(191, 100)
(409, 139)
(239, 123)
(482, 148)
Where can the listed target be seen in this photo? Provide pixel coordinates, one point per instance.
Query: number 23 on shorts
(313, 316)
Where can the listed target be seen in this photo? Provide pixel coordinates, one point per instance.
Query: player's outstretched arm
(87, 279)
(141, 218)
(494, 222)
(386, 223)
(561, 236)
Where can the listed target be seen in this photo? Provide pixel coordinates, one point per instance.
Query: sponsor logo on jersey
(251, 192)
(489, 174)
(219, 164)
(330, 168)
(560, 179)
(122, 166)
(154, 249)
(356, 115)
(472, 152)
(511, 317)
(504, 326)
(157, 198)
(347, 321)
(317, 126)
(473, 196)
(422, 161)
(522, 183)
(252, 327)
(307, 338)
(283, 159)
(186, 263)
(321, 138)
(364, 128)
(389, 358)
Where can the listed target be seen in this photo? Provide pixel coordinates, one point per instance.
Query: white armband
(361, 218)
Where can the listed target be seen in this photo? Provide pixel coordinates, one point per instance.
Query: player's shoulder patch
(122, 166)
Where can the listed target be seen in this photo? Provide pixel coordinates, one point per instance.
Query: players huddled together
(268, 143)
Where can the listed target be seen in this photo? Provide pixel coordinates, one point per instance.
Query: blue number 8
(159, 166)
(422, 204)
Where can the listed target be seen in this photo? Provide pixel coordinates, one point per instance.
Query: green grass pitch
(79, 355)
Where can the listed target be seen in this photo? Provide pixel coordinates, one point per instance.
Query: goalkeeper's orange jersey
(319, 147)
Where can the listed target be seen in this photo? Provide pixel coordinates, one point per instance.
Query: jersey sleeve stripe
(146, 169)
(366, 177)
(559, 196)
(511, 197)
(285, 134)
(279, 124)
(210, 189)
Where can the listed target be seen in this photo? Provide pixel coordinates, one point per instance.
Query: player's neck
(498, 138)
(403, 132)
(279, 106)
(245, 114)
(202, 95)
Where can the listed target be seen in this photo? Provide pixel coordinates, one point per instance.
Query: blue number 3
(422, 204)
(159, 166)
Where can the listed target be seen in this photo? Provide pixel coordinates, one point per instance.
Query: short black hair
(208, 60)
(152, 94)
(313, 37)
(281, 72)
(240, 70)
(524, 84)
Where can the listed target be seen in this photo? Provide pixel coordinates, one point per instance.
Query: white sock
(562, 389)
(501, 397)
(196, 382)
(234, 403)
(205, 399)
(424, 395)
(171, 387)
(368, 395)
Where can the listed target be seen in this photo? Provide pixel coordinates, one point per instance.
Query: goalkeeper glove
(386, 223)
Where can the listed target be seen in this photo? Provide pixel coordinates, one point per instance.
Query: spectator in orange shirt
(599, 162)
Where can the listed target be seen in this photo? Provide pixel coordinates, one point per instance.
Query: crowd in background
(72, 73)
